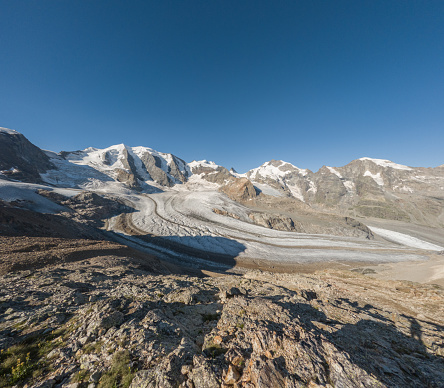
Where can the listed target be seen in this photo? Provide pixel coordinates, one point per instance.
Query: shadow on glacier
(195, 250)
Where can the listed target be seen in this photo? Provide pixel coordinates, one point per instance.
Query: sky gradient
(237, 82)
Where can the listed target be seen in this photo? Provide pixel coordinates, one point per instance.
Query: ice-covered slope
(139, 168)
(277, 178)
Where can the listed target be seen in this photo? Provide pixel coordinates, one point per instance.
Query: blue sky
(237, 82)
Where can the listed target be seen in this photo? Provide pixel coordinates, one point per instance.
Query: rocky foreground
(108, 322)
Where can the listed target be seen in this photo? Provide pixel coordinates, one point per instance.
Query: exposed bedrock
(240, 190)
(20, 159)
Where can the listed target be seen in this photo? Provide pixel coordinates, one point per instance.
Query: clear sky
(238, 82)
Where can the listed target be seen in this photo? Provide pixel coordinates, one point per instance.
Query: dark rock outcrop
(152, 166)
(128, 178)
(20, 159)
(174, 169)
(360, 226)
(275, 221)
(93, 208)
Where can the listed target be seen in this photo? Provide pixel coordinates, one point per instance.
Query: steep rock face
(330, 189)
(240, 190)
(152, 166)
(20, 159)
(127, 178)
(129, 165)
(177, 169)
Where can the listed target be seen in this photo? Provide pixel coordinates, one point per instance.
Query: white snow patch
(313, 189)
(387, 163)
(266, 189)
(202, 163)
(403, 188)
(405, 239)
(26, 195)
(71, 174)
(95, 158)
(196, 183)
(333, 171)
(349, 185)
(376, 177)
(296, 192)
(238, 175)
(9, 131)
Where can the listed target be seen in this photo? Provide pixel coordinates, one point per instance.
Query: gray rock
(111, 320)
(95, 376)
(203, 375)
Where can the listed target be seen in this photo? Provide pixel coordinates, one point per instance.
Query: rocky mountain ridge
(20, 159)
(363, 188)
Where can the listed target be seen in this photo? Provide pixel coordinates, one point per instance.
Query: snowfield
(376, 177)
(405, 239)
(26, 195)
(387, 163)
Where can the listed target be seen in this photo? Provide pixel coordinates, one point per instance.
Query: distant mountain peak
(386, 163)
(9, 131)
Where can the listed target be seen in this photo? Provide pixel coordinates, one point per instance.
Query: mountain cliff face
(20, 159)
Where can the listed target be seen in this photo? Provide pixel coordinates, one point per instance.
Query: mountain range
(365, 187)
(129, 267)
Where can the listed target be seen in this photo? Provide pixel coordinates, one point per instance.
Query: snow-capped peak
(387, 163)
(202, 163)
(90, 149)
(274, 169)
(9, 131)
